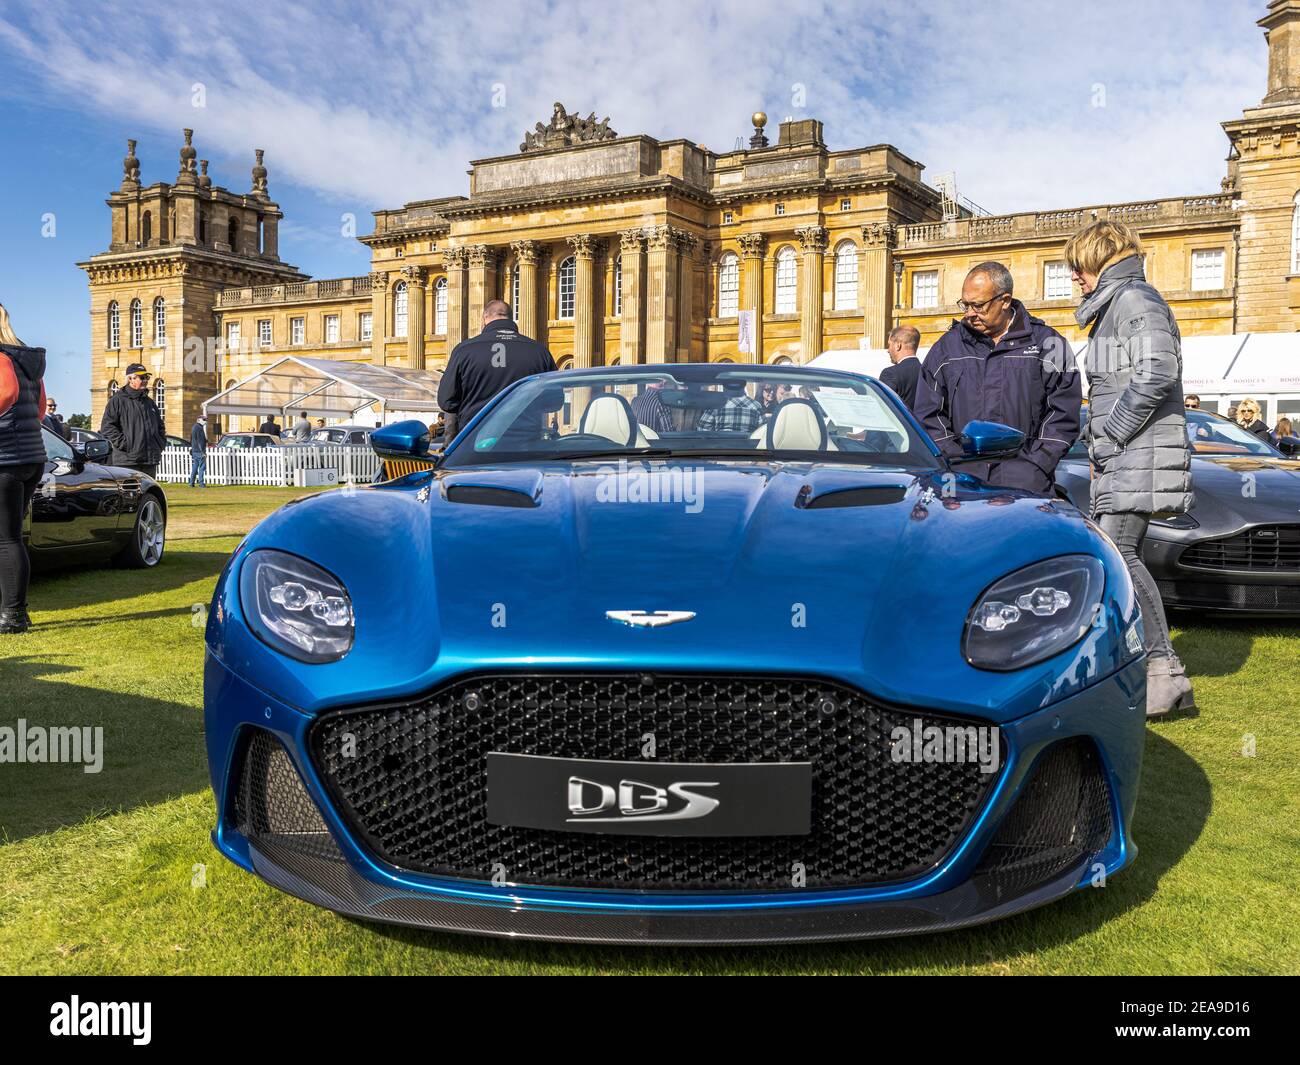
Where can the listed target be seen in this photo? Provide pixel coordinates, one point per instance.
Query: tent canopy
(328, 388)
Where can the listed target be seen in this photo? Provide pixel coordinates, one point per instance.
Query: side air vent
(868, 496)
(484, 495)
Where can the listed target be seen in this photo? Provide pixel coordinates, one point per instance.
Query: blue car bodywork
(482, 628)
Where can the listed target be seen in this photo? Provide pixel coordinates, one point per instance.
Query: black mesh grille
(272, 807)
(1284, 598)
(1061, 818)
(1270, 548)
(411, 779)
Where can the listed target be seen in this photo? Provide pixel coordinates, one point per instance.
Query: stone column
(878, 242)
(416, 277)
(584, 300)
(454, 259)
(632, 323)
(813, 240)
(482, 284)
(378, 316)
(752, 247)
(686, 245)
(525, 252)
(661, 294)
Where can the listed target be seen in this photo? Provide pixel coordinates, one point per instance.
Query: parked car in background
(86, 511)
(247, 440)
(175, 441)
(341, 434)
(82, 436)
(1238, 549)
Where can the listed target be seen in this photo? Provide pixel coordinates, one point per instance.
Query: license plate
(649, 798)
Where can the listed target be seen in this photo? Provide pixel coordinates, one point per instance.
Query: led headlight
(1034, 613)
(296, 606)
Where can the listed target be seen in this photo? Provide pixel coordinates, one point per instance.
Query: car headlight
(1034, 613)
(295, 606)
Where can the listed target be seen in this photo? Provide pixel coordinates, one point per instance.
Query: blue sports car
(691, 653)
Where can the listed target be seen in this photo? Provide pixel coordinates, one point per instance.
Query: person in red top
(22, 463)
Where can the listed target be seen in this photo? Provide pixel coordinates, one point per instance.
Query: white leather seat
(611, 417)
(795, 426)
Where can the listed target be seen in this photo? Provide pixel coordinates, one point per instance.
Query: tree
(79, 421)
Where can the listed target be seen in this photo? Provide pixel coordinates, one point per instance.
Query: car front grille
(1269, 548)
(410, 779)
(1060, 819)
(272, 807)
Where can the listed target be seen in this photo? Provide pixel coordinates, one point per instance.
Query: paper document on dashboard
(858, 410)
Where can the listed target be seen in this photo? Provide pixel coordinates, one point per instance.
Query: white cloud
(386, 103)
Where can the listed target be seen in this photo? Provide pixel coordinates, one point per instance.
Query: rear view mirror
(991, 440)
(95, 450)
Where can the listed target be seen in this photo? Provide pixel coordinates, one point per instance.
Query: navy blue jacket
(198, 439)
(1028, 380)
(902, 378)
(21, 442)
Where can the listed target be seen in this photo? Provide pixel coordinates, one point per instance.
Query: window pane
(1056, 282)
(366, 325)
(440, 307)
(264, 332)
(925, 288)
(331, 329)
(1207, 269)
(846, 277)
(568, 281)
(787, 281)
(729, 286)
(399, 309)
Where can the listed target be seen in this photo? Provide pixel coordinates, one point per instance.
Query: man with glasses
(998, 363)
(53, 421)
(133, 424)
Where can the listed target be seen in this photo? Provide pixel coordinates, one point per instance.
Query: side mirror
(1289, 446)
(991, 440)
(94, 450)
(402, 440)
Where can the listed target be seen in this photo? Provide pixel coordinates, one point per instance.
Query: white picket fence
(273, 465)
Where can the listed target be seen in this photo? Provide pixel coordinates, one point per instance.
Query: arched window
(137, 324)
(1295, 236)
(787, 281)
(568, 283)
(160, 321)
(114, 337)
(440, 306)
(146, 227)
(111, 389)
(729, 285)
(514, 291)
(618, 284)
(160, 397)
(846, 276)
(783, 360)
(232, 234)
(399, 309)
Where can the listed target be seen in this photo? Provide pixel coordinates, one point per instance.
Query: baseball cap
(137, 368)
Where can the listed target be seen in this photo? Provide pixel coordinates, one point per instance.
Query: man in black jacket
(904, 369)
(482, 366)
(53, 421)
(133, 424)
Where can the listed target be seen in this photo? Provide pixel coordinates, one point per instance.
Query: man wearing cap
(133, 424)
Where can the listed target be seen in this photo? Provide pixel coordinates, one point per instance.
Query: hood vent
(858, 496)
(487, 495)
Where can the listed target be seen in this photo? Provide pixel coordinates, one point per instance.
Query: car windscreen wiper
(612, 453)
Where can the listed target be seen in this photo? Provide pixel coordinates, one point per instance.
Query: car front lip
(1111, 712)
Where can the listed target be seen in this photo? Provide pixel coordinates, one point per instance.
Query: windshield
(759, 412)
(1211, 435)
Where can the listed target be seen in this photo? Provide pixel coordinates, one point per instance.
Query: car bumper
(1247, 593)
(334, 869)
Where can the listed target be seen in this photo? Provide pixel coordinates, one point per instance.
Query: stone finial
(259, 174)
(188, 175)
(205, 182)
(758, 140)
(130, 167)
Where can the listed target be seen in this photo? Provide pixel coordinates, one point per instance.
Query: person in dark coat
(1248, 417)
(482, 366)
(199, 451)
(904, 369)
(53, 421)
(1137, 425)
(1001, 364)
(270, 426)
(133, 424)
(22, 464)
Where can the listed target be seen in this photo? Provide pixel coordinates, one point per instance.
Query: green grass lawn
(114, 872)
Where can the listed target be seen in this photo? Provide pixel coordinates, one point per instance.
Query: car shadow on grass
(79, 586)
(152, 750)
(1173, 808)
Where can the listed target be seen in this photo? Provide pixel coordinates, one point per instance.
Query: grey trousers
(1128, 532)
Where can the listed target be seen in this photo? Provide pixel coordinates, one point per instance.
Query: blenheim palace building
(622, 249)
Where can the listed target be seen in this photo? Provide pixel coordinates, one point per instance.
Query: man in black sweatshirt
(482, 366)
(133, 424)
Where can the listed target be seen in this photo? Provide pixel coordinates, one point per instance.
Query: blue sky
(361, 107)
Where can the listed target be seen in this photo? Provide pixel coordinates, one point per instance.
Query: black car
(86, 512)
(1238, 548)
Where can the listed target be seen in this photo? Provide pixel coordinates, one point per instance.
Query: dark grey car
(1238, 548)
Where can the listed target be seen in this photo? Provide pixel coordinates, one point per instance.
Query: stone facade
(630, 249)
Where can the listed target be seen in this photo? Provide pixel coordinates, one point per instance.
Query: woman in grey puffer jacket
(1137, 432)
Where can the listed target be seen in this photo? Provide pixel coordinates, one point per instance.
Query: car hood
(874, 594)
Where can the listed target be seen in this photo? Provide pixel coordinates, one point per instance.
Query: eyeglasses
(978, 308)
